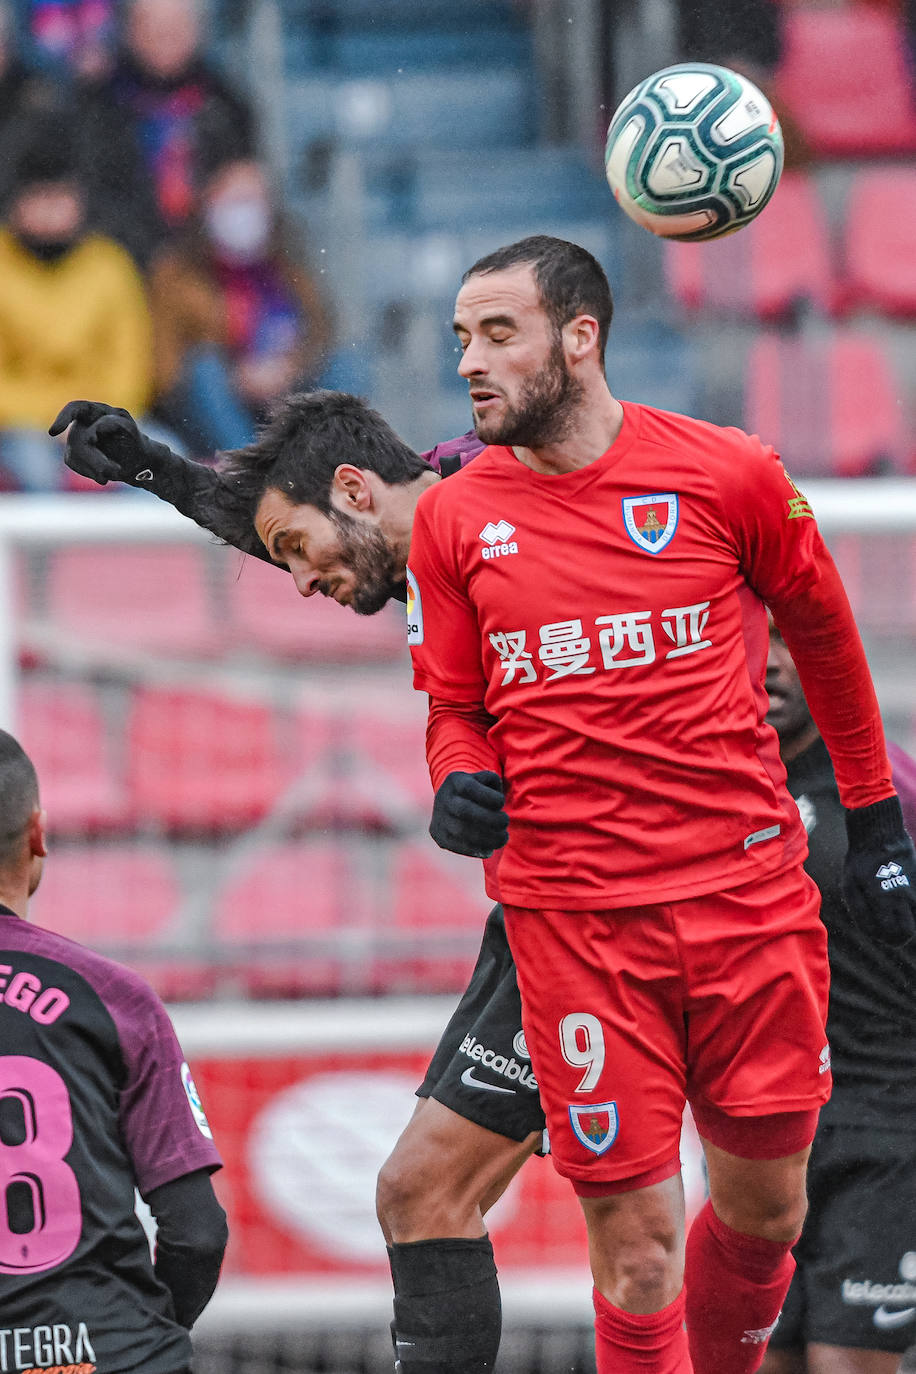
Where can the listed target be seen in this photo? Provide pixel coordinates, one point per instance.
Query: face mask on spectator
(48, 250)
(239, 229)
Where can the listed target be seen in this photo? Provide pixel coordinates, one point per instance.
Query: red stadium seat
(843, 75)
(298, 918)
(829, 406)
(880, 241)
(200, 761)
(436, 890)
(124, 599)
(373, 772)
(108, 897)
(123, 903)
(62, 728)
(780, 260)
(879, 574)
(268, 614)
(439, 907)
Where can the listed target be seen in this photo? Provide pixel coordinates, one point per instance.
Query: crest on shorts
(596, 1126)
(651, 520)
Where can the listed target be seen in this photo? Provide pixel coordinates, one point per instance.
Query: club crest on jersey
(596, 1126)
(651, 520)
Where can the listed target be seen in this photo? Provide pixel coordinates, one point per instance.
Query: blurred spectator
(73, 314)
(119, 194)
(745, 35)
(23, 91)
(76, 35)
(183, 115)
(238, 320)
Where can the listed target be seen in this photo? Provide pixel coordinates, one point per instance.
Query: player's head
(22, 838)
(532, 320)
(788, 712)
(329, 484)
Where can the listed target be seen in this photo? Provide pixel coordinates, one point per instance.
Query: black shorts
(481, 1068)
(855, 1284)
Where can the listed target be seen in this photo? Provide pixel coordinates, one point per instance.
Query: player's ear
(581, 336)
(37, 833)
(350, 489)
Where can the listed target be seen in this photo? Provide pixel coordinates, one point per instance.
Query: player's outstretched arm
(105, 444)
(190, 1243)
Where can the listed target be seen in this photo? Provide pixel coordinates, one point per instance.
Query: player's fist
(468, 816)
(105, 444)
(879, 879)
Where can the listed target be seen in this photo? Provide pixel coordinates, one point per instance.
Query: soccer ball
(694, 151)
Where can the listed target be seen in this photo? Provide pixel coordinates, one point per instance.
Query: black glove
(467, 814)
(105, 445)
(879, 879)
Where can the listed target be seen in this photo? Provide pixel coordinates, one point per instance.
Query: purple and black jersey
(870, 1022)
(452, 454)
(95, 1100)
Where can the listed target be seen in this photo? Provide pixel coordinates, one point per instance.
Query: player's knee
(770, 1216)
(398, 1192)
(641, 1279)
(637, 1262)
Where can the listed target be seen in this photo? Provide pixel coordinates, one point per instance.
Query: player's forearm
(823, 639)
(190, 1243)
(190, 1273)
(456, 740)
(206, 496)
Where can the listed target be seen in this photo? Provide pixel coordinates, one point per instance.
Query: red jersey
(600, 638)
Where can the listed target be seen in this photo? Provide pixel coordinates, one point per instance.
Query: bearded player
(331, 491)
(599, 689)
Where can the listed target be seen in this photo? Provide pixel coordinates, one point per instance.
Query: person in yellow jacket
(74, 318)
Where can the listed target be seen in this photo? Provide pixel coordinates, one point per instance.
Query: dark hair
(570, 281)
(18, 794)
(41, 148)
(307, 438)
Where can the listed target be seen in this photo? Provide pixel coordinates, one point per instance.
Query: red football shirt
(600, 638)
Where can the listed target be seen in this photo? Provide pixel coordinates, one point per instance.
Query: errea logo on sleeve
(497, 539)
(414, 611)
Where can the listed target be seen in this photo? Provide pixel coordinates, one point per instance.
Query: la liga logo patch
(194, 1102)
(414, 610)
(596, 1127)
(651, 520)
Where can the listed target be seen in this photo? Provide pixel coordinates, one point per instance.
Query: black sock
(447, 1312)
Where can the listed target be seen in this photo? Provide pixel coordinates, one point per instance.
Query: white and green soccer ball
(694, 151)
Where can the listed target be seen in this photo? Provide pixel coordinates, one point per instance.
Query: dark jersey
(453, 454)
(871, 1027)
(95, 1100)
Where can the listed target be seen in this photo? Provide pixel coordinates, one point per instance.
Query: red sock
(735, 1286)
(627, 1343)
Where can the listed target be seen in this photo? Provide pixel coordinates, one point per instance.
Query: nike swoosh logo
(468, 1078)
(889, 1321)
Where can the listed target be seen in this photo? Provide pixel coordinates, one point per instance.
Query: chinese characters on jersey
(626, 640)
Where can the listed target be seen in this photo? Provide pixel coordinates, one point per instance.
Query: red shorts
(720, 1000)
